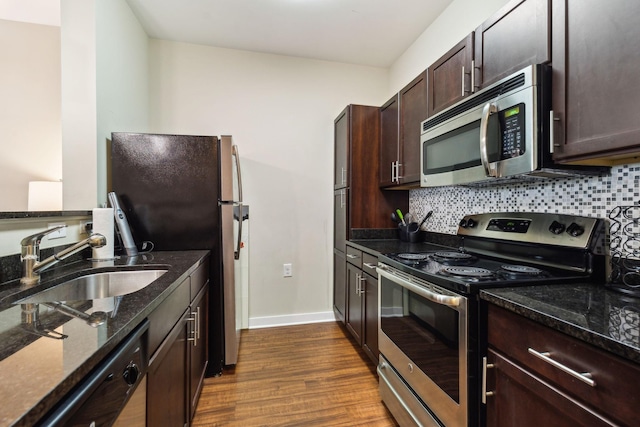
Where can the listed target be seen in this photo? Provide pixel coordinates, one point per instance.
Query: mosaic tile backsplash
(586, 196)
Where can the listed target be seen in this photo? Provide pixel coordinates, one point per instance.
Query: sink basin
(98, 285)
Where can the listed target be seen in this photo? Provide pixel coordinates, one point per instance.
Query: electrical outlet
(58, 234)
(287, 270)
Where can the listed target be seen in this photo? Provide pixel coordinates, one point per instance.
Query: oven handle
(447, 300)
(489, 108)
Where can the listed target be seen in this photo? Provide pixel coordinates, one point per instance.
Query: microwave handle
(489, 108)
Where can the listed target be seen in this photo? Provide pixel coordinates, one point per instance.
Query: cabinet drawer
(167, 314)
(199, 278)
(616, 388)
(369, 263)
(354, 256)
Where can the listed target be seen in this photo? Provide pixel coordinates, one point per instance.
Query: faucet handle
(34, 239)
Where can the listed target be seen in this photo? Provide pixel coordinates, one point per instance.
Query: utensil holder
(410, 236)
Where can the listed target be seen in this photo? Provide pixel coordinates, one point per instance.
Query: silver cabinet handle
(398, 176)
(352, 256)
(585, 377)
(193, 329)
(362, 282)
(358, 284)
(368, 264)
(486, 393)
(489, 108)
(473, 76)
(463, 91)
(394, 171)
(342, 199)
(198, 322)
(343, 176)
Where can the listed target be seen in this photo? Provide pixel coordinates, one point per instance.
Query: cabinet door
(596, 91)
(389, 141)
(167, 380)
(518, 35)
(340, 225)
(341, 147)
(354, 302)
(370, 337)
(198, 347)
(339, 284)
(413, 110)
(449, 78)
(521, 399)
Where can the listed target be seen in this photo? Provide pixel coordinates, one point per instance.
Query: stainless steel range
(431, 334)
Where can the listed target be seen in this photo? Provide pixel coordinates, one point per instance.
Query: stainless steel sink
(98, 285)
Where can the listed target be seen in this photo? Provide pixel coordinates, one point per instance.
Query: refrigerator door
(231, 294)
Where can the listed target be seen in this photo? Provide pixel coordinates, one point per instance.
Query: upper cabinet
(516, 36)
(400, 119)
(449, 77)
(341, 153)
(595, 81)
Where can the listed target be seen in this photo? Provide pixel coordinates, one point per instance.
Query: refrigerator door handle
(236, 253)
(236, 154)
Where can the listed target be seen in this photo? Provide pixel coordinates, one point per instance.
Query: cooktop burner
(468, 273)
(413, 257)
(453, 258)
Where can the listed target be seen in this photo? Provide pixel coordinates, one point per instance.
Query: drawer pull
(368, 264)
(486, 393)
(584, 377)
(352, 256)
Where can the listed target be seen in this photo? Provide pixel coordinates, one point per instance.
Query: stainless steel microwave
(502, 132)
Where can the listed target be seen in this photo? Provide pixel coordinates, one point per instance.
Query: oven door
(423, 336)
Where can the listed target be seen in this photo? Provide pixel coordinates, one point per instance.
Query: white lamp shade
(45, 196)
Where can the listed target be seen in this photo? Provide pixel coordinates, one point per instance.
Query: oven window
(426, 332)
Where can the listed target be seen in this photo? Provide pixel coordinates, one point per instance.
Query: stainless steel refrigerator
(185, 192)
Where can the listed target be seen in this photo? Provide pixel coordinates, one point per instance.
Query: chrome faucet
(30, 256)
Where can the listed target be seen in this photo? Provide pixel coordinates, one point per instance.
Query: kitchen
(283, 201)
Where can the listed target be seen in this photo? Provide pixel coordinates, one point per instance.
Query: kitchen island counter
(38, 366)
(592, 313)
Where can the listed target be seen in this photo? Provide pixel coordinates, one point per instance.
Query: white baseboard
(291, 319)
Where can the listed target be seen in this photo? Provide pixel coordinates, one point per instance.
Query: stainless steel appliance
(431, 326)
(180, 192)
(502, 131)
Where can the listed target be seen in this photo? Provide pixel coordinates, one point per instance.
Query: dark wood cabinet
(595, 85)
(355, 304)
(362, 300)
(449, 78)
(400, 119)
(389, 141)
(198, 348)
(178, 342)
(341, 150)
(339, 284)
(536, 376)
(519, 34)
(340, 225)
(167, 380)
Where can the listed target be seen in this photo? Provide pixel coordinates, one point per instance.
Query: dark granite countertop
(433, 242)
(42, 214)
(37, 371)
(593, 313)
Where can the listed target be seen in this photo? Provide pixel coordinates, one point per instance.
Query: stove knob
(556, 227)
(463, 223)
(131, 373)
(575, 230)
(471, 223)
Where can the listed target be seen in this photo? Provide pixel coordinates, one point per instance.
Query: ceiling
(364, 32)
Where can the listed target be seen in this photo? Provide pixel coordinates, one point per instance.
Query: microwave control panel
(512, 127)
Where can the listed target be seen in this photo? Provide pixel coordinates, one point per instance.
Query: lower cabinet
(537, 376)
(339, 284)
(179, 358)
(361, 317)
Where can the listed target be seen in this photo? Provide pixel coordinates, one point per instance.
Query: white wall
(455, 23)
(122, 79)
(280, 111)
(31, 142)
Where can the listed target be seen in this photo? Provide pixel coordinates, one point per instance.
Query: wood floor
(305, 375)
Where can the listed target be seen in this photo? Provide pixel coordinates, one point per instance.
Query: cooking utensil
(399, 213)
(394, 217)
(426, 217)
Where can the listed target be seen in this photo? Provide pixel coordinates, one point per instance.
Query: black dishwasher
(100, 397)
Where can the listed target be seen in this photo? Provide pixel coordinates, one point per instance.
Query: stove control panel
(540, 228)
